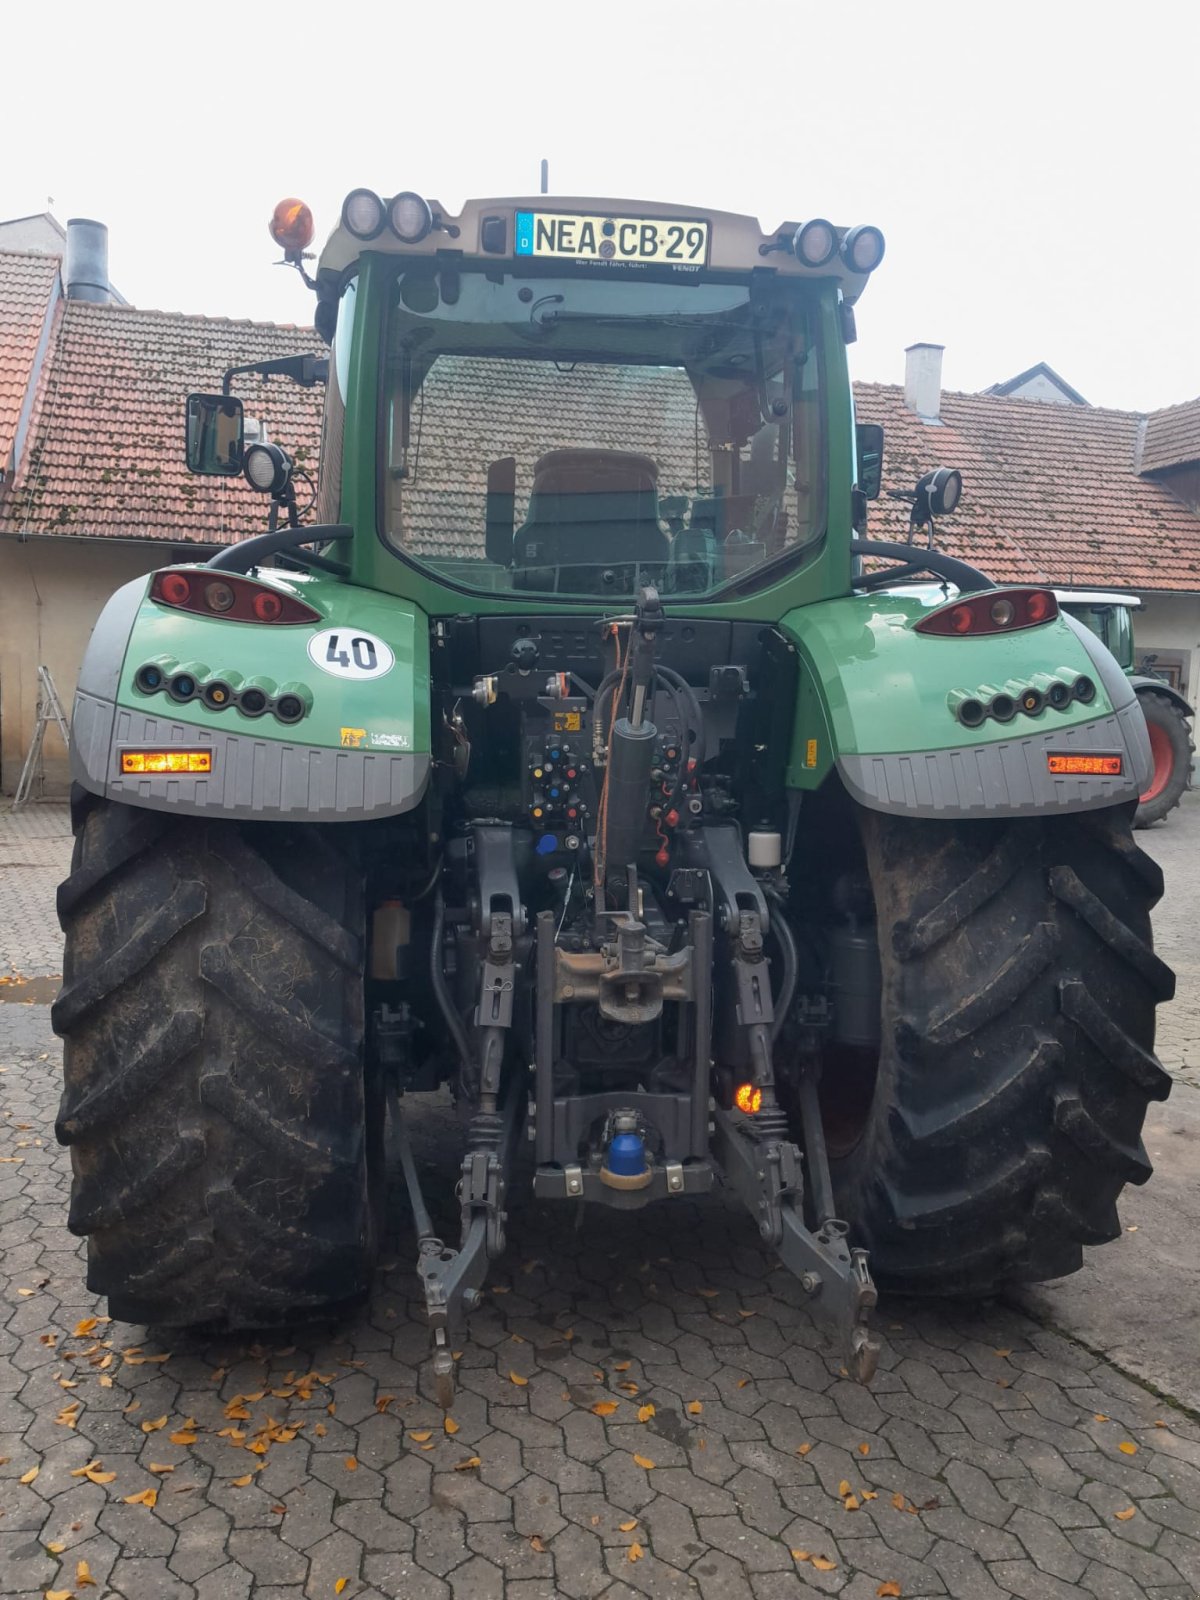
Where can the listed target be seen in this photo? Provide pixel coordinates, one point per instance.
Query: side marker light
(1086, 766)
(166, 760)
(747, 1097)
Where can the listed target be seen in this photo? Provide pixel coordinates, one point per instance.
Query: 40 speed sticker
(348, 653)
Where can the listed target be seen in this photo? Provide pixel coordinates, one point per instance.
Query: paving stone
(1102, 1546)
(200, 1545)
(267, 1557)
(1028, 1581)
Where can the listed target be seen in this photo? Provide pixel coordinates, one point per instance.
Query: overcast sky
(1034, 166)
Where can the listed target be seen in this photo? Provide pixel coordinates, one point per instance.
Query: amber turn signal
(166, 760)
(292, 226)
(747, 1097)
(1085, 766)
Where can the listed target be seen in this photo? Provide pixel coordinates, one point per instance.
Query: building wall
(51, 592)
(1168, 625)
(1041, 388)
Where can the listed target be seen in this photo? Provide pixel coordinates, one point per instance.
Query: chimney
(923, 380)
(86, 267)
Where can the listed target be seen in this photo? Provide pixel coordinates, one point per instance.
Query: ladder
(49, 709)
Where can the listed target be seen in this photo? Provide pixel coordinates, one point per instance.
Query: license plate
(662, 241)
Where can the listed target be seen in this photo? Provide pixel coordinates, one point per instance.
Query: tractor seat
(589, 511)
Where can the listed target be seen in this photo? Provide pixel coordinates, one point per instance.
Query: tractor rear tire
(1171, 747)
(225, 1144)
(1016, 1063)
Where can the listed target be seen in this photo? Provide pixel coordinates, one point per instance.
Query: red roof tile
(26, 285)
(1050, 493)
(1172, 437)
(106, 449)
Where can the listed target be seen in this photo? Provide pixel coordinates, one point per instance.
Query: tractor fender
(1144, 685)
(361, 749)
(877, 701)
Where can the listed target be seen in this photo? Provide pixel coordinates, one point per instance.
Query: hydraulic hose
(441, 990)
(787, 950)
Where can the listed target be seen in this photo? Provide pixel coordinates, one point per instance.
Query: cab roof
(487, 231)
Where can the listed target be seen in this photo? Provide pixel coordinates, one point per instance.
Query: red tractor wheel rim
(1164, 761)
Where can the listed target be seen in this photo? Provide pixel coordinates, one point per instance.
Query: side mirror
(216, 430)
(869, 437)
(501, 512)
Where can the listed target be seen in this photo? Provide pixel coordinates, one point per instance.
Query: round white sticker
(349, 653)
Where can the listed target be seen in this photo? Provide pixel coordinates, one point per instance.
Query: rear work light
(1085, 766)
(166, 760)
(995, 611)
(231, 598)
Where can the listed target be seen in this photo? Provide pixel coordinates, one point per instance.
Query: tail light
(995, 611)
(224, 595)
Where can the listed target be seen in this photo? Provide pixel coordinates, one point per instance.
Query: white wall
(1169, 624)
(51, 592)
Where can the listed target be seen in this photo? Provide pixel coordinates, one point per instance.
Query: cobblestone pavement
(644, 1410)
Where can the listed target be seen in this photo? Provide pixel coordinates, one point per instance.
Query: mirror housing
(216, 435)
(869, 438)
(501, 512)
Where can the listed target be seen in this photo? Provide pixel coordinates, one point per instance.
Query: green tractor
(1167, 713)
(585, 755)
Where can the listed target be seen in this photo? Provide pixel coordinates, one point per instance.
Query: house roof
(27, 286)
(106, 448)
(1040, 369)
(1051, 493)
(1172, 438)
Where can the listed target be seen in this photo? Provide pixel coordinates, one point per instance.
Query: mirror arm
(304, 370)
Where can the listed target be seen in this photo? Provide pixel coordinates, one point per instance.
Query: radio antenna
(545, 176)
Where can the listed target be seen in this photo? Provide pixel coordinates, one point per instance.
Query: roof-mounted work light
(363, 214)
(815, 242)
(862, 249)
(410, 217)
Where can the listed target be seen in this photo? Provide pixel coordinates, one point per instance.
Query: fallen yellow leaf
(145, 1497)
(643, 1461)
(160, 1466)
(864, 1449)
(628, 1527)
(851, 1502)
(804, 1449)
(320, 1430)
(240, 1483)
(628, 1388)
(515, 1377)
(742, 1382)
(870, 1494)
(1003, 1353)
(1126, 1448)
(823, 1563)
(645, 1413)
(1124, 1516)
(340, 1585)
(471, 1461)
(351, 1463)
(29, 1476)
(1100, 1417)
(695, 1407)
(537, 1544)
(604, 1408)
(153, 1427)
(801, 1555)
(59, 1594)
(450, 1426)
(26, 1292)
(86, 1326)
(183, 1436)
(55, 1547)
(1161, 1424)
(709, 1294)
(635, 1551)
(888, 1589)
(383, 1402)
(844, 1488)
(83, 1576)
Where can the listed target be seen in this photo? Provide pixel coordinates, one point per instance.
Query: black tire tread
(1017, 1062)
(214, 1096)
